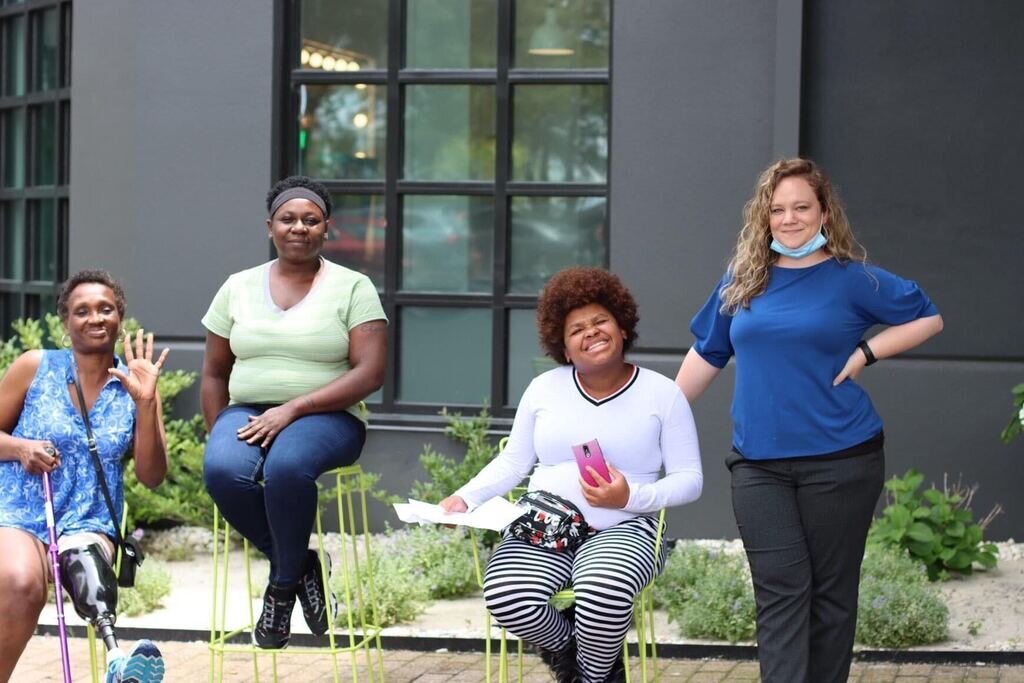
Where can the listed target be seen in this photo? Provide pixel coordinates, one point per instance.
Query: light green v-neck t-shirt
(280, 355)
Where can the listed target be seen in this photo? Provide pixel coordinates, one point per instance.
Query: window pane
(526, 360)
(572, 34)
(445, 355)
(13, 136)
(13, 76)
(468, 27)
(344, 36)
(12, 241)
(45, 49)
(38, 305)
(560, 133)
(551, 233)
(10, 310)
(43, 121)
(42, 239)
(449, 132)
(342, 131)
(447, 243)
(356, 241)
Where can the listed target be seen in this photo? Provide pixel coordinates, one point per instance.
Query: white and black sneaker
(311, 594)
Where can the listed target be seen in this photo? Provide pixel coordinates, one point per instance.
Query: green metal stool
(357, 634)
(643, 622)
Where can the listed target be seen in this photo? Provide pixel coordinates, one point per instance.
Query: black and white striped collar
(601, 401)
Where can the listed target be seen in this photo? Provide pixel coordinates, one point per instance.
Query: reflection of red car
(356, 241)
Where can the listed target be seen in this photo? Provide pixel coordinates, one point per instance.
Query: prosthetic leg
(91, 582)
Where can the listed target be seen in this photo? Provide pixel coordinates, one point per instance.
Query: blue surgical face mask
(809, 247)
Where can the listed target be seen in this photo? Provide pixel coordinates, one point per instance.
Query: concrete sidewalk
(190, 662)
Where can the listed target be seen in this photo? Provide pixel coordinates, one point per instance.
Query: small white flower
(1021, 415)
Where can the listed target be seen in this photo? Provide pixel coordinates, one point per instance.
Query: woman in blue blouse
(807, 457)
(41, 430)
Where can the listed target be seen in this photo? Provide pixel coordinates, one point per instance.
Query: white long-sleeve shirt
(643, 428)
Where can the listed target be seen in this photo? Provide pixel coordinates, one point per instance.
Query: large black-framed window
(465, 143)
(35, 123)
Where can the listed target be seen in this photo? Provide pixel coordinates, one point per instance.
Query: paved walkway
(190, 662)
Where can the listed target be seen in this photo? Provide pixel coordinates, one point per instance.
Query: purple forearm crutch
(51, 526)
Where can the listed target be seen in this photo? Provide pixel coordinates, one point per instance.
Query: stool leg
(90, 636)
(248, 601)
(327, 588)
(372, 593)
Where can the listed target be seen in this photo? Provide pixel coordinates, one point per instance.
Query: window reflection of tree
(335, 146)
(562, 133)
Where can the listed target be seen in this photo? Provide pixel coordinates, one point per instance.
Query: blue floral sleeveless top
(49, 414)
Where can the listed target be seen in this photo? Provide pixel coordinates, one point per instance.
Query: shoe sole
(252, 639)
(145, 664)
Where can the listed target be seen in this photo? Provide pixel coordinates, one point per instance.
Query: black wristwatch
(866, 350)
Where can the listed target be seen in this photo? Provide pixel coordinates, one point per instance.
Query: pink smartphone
(589, 453)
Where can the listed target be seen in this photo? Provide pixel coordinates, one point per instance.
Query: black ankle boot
(618, 672)
(562, 662)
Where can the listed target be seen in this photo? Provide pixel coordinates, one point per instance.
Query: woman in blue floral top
(41, 430)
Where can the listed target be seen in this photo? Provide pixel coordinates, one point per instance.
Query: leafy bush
(708, 594)
(1016, 425)
(447, 474)
(182, 497)
(898, 607)
(936, 527)
(402, 590)
(445, 558)
(413, 566)
(152, 584)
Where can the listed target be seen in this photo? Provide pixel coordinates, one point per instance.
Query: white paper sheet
(495, 514)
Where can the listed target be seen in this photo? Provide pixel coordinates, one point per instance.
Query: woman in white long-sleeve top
(587, 321)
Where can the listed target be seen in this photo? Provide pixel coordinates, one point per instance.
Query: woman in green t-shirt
(292, 347)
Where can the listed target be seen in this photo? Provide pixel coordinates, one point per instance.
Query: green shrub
(182, 497)
(685, 564)
(448, 474)
(402, 589)
(445, 558)
(898, 607)
(708, 594)
(152, 584)
(1016, 424)
(936, 527)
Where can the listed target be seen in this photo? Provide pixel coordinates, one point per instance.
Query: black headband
(298, 193)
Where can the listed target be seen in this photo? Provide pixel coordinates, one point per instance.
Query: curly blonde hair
(752, 258)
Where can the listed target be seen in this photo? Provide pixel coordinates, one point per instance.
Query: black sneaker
(311, 594)
(274, 627)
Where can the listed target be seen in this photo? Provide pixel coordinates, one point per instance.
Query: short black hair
(82, 277)
(300, 181)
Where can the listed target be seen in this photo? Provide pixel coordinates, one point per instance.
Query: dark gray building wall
(170, 154)
(912, 108)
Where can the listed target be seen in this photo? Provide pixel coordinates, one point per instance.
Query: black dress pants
(804, 522)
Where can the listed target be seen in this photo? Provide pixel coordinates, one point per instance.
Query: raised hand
(142, 370)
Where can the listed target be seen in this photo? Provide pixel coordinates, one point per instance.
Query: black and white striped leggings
(606, 573)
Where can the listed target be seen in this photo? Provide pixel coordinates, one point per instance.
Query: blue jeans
(277, 516)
